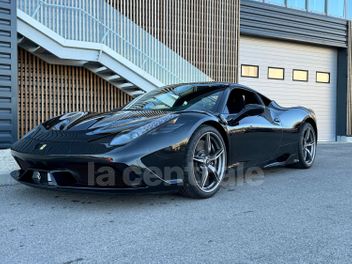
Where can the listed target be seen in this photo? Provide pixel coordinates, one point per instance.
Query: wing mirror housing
(248, 110)
(253, 110)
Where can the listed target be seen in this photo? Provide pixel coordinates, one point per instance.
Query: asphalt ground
(285, 216)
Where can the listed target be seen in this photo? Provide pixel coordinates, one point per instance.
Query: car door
(254, 135)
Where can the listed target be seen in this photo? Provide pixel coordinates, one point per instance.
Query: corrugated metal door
(8, 73)
(321, 97)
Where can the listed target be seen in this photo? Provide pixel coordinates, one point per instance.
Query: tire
(307, 156)
(206, 163)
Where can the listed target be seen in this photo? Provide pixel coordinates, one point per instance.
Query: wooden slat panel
(204, 32)
(47, 90)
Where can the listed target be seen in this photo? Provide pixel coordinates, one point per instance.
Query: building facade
(333, 8)
(305, 57)
(59, 56)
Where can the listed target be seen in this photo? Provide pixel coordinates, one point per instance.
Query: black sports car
(181, 137)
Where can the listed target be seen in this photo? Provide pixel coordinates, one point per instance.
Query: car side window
(251, 98)
(238, 99)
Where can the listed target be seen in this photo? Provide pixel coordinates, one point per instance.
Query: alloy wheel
(309, 145)
(209, 159)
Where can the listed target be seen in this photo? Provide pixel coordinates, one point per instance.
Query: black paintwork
(264, 134)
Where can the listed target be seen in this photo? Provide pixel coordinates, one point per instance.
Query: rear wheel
(307, 146)
(206, 163)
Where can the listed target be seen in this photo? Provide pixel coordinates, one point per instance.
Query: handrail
(96, 21)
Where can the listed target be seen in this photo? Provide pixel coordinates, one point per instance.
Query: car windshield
(184, 97)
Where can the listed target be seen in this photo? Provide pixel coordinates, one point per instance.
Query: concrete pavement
(7, 164)
(294, 216)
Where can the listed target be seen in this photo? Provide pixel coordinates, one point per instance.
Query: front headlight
(128, 137)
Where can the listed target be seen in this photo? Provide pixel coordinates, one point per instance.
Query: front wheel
(206, 163)
(307, 148)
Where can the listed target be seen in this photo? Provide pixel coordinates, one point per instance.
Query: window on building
(297, 4)
(276, 73)
(250, 71)
(323, 77)
(336, 8)
(276, 2)
(316, 6)
(300, 75)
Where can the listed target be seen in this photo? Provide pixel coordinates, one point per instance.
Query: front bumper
(88, 173)
(46, 185)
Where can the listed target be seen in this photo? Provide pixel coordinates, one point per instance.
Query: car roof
(224, 85)
(207, 84)
(220, 84)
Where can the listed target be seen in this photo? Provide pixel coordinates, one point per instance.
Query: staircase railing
(98, 22)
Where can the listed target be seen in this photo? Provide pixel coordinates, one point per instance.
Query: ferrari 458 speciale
(182, 137)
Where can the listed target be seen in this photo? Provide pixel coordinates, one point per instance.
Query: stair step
(106, 73)
(92, 65)
(20, 39)
(127, 86)
(114, 78)
(27, 44)
(101, 69)
(38, 50)
(137, 93)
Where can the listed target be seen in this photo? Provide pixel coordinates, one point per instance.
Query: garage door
(293, 75)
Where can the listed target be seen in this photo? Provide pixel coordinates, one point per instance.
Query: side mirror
(253, 110)
(248, 110)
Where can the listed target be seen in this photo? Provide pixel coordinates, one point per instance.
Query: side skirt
(292, 159)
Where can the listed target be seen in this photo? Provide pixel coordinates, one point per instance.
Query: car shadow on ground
(103, 201)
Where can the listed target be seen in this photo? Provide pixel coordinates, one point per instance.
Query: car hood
(112, 122)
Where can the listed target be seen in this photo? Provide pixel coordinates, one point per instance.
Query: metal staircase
(94, 35)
